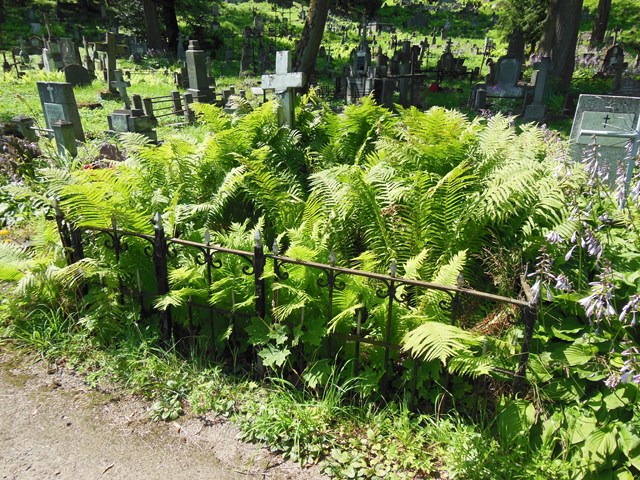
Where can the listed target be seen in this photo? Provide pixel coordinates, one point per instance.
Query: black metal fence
(161, 249)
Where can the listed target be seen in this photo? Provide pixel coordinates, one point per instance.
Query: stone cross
(121, 85)
(540, 80)
(284, 81)
(110, 47)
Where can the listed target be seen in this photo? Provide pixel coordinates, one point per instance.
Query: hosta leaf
(579, 354)
(601, 442)
(628, 440)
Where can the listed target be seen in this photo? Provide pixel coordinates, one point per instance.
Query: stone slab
(614, 116)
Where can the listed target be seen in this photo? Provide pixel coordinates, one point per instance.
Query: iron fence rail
(159, 249)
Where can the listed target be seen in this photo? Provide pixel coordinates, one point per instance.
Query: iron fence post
(393, 268)
(160, 254)
(258, 273)
(69, 237)
(529, 316)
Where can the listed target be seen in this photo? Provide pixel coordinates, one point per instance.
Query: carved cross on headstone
(50, 90)
(284, 82)
(121, 85)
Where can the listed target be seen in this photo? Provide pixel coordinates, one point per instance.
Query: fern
(438, 341)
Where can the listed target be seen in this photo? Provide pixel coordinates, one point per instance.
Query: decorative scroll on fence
(162, 249)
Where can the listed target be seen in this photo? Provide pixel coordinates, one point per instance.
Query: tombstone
(180, 50)
(246, 60)
(47, 62)
(59, 104)
(68, 52)
(502, 82)
(540, 80)
(508, 71)
(77, 75)
(55, 55)
(284, 81)
(383, 92)
(121, 86)
(128, 119)
(611, 121)
(112, 49)
(258, 24)
(134, 121)
(199, 80)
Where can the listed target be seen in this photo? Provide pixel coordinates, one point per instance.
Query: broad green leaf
(272, 356)
(629, 441)
(579, 354)
(616, 399)
(601, 442)
(579, 426)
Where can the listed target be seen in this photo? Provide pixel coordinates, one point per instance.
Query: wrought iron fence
(161, 249)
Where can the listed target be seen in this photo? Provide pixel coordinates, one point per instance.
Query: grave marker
(112, 49)
(612, 121)
(199, 80)
(77, 75)
(121, 85)
(284, 81)
(59, 104)
(540, 79)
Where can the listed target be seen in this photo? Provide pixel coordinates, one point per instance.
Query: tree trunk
(2, 11)
(171, 25)
(152, 25)
(311, 37)
(560, 38)
(600, 23)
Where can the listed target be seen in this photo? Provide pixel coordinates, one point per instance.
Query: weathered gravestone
(59, 104)
(68, 52)
(77, 75)
(199, 80)
(128, 119)
(611, 122)
(540, 80)
(284, 81)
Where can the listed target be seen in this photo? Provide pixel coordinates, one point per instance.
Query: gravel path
(52, 426)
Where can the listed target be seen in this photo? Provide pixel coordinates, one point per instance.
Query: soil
(54, 426)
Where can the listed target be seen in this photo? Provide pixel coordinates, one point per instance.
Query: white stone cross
(122, 85)
(284, 81)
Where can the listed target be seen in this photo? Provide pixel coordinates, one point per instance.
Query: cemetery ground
(55, 425)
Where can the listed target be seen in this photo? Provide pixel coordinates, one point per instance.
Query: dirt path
(52, 426)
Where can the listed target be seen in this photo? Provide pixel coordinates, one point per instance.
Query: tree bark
(560, 38)
(171, 25)
(152, 25)
(311, 37)
(600, 23)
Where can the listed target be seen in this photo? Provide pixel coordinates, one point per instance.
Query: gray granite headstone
(508, 71)
(609, 120)
(77, 75)
(68, 51)
(59, 104)
(199, 81)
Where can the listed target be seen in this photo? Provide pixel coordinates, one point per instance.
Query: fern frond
(437, 341)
